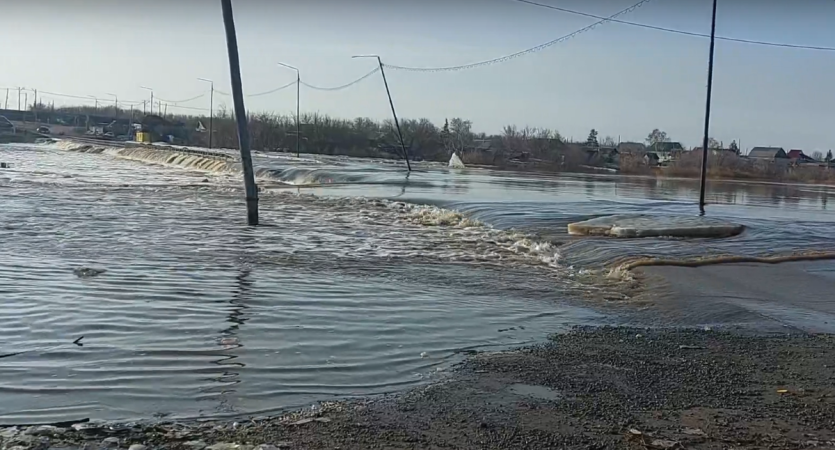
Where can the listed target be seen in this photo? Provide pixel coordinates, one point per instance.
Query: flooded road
(362, 280)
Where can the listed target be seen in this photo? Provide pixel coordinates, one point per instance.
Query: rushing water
(362, 279)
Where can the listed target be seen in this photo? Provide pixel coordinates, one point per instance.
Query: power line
(183, 101)
(682, 32)
(65, 95)
(88, 98)
(193, 108)
(523, 52)
(344, 86)
(273, 90)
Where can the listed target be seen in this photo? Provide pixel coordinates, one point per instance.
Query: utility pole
(143, 107)
(240, 114)
(7, 99)
(152, 97)
(97, 102)
(298, 92)
(130, 123)
(19, 91)
(115, 102)
(211, 107)
(391, 103)
(35, 104)
(707, 111)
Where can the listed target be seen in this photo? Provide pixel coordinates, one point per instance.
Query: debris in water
(87, 272)
(78, 342)
(424, 355)
(456, 163)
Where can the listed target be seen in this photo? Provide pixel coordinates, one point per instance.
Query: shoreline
(600, 387)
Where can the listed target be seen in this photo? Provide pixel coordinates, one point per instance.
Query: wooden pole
(240, 114)
(707, 111)
(394, 114)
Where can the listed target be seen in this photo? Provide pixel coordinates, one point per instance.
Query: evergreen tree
(592, 139)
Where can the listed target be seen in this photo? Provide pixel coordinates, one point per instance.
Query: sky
(621, 80)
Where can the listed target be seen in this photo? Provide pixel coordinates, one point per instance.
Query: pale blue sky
(622, 80)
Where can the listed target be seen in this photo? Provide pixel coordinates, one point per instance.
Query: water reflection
(229, 341)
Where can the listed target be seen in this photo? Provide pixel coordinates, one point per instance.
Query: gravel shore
(591, 388)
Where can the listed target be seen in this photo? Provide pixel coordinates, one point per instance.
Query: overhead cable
(273, 90)
(523, 52)
(183, 101)
(682, 32)
(344, 86)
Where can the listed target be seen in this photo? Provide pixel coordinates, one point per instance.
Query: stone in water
(640, 225)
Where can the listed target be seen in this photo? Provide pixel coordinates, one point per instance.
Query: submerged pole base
(252, 211)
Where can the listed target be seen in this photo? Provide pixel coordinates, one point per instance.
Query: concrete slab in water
(640, 225)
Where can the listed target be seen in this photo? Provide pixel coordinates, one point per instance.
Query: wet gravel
(591, 388)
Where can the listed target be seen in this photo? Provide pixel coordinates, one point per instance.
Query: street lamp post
(391, 103)
(115, 101)
(97, 102)
(298, 91)
(152, 97)
(211, 107)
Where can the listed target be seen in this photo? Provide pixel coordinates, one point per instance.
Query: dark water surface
(369, 282)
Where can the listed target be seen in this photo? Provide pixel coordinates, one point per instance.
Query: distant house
(717, 151)
(606, 156)
(631, 148)
(666, 151)
(768, 153)
(652, 159)
(665, 147)
(798, 157)
(482, 145)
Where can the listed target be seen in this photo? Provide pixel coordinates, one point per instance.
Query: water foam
(155, 155)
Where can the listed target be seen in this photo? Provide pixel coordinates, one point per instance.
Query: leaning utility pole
(705, 150)
(7, 99)
(298, 91)
(211, 107)
(391, 103)
(240, 114)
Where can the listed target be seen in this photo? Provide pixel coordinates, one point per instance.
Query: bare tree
(817, 155)
(608, 141)
(461, 134)
(656, 137)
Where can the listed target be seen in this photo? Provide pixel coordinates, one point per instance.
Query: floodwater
(362, 279)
